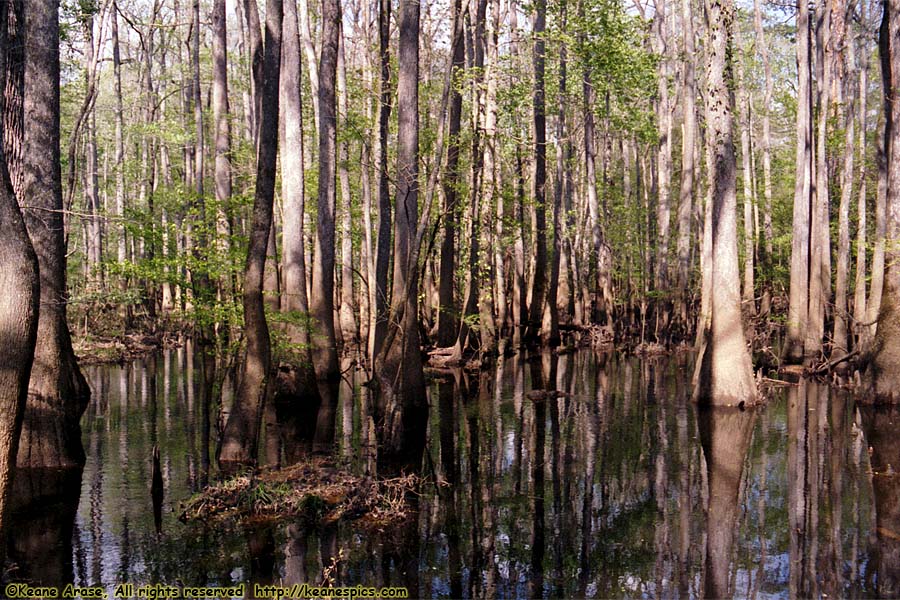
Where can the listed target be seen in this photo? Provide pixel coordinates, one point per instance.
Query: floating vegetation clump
(317, 490)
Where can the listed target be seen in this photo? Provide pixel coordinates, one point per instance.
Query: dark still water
(621, 488)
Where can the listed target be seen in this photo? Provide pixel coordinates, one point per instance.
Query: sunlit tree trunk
(859, 296)
(745, 124)
(664, 151)
(349, 331)
(19, 305)
(820, 237)
(58, 392)
(726, 376)
(800, 241)
(841, 343)
(689, 127)
(766, 143)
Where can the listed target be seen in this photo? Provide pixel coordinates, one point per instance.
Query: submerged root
(317, 490)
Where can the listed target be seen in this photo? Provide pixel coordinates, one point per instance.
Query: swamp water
(603, 492)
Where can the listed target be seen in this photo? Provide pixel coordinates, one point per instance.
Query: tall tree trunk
(726, 376)
(492, 169)
(745, 124)
(873, 309)
(886, 349)
(539, 192)
(19, 305)
(122, 238)
(349, 331)
(448, 319)
(664, 151)
(820, 238)
(58, 392)
(689, 127)
(221, 117)
(841, 343)
(398, 365)
(766, 257)
(324, 342)
(294, 298)
(378, 327)
(859, 296)
(550, 329)
(800, 241)
(240, 437)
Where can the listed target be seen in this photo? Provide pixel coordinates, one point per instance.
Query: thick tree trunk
(240, 439)
(58, 392)
(19, 305)
(398, 366)
(300, 383)
(841, 342)
(726, 376)
(800, 241)
(324, 341)
(820, 237)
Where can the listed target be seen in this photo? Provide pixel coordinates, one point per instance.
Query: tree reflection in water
(615, 485)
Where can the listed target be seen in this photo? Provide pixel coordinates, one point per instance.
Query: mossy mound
(316, 490)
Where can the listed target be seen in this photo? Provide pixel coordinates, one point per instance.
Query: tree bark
(550, 328)
(859, 296)
(300, 381)
(349, 330)
(800, 241)
(841, 343)
(820, 237)
(378, 326)
(886, 349)
(402, 402)
(19, 306)
(766, 257)
(745, 123)
(324, 342)
(448, 318)
(689, 127)
(240, 438)
(726, 376)
(539, 192)
(58, 392)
